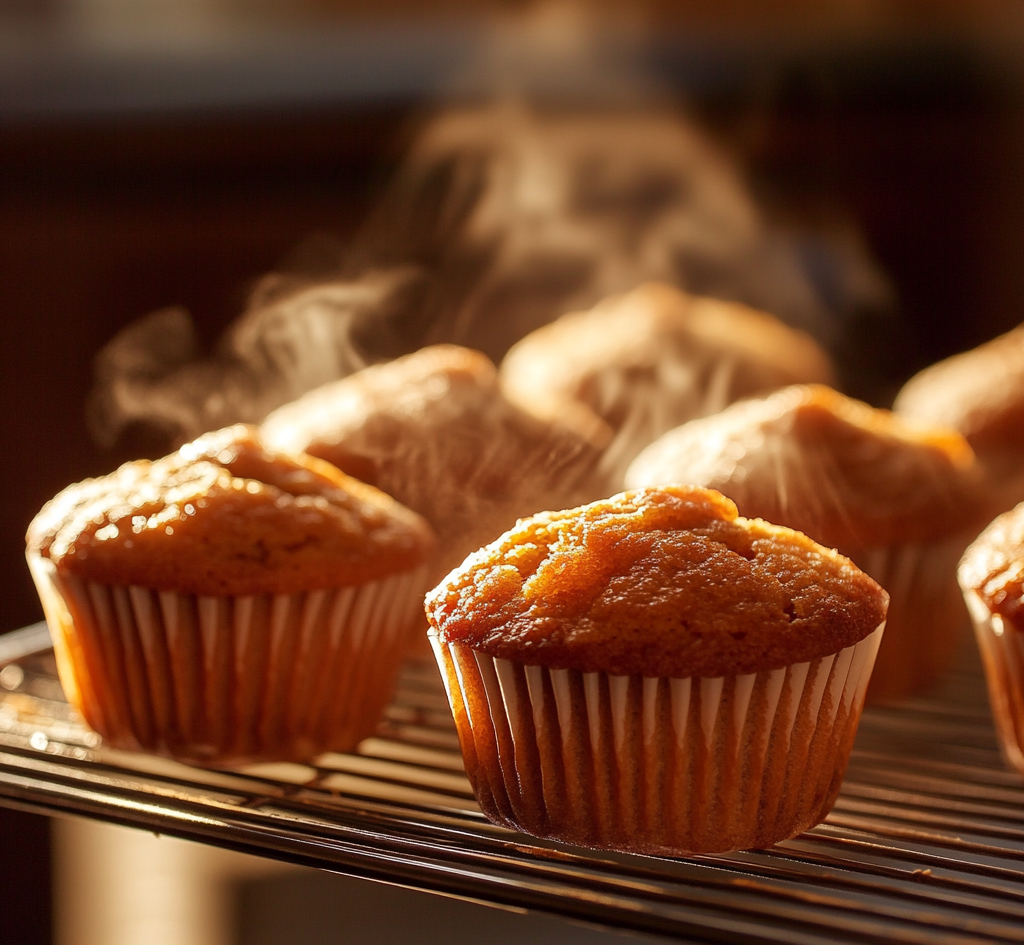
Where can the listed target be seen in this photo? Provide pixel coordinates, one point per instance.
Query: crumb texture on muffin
(848, 475)
(993, 567)
(658, 582)
(227, 516)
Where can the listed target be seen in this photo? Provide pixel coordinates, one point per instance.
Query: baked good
(901, 500)
(229, 603)
(639, 364)
(652, 673)
(980, 394)
(992, 577)
(433, 430)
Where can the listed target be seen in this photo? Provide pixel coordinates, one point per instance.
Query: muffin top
(434, 430)
(848, 475)
(346, 421)
(993, 567)
(657, 582)
(979, 393)
(643, 362)
(225, 515)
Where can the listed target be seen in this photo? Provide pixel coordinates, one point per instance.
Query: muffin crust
(341, 422)
(226, 516)
(677, 355)
(848, 475)
(979, 393)
(658, 582)
(434, 430)
(993, 567)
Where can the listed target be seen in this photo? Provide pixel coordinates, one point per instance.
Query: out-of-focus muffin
(901, 500)
(992, 577)
(639, 364)
(980, 394)
(652, 673)
(433, 430)
(227, 602)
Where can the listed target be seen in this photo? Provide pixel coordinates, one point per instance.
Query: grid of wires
(925, 844)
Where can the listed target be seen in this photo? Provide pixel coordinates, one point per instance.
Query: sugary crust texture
(434, 430)
(979, 393)
(657, 582)
(848, 475)
(227, 516)
(698, 354)
(993, 567)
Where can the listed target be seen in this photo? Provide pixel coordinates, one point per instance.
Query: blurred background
(159, 153)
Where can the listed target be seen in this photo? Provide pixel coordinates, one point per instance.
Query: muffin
(433, 430)
(980, 394)
(639, 364)
(651, 673)
(992, 577)
(228, 603)
(902, 501)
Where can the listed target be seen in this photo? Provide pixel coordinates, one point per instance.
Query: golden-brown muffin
(639, 364)
(652, 673)
(901, 500)
(992, 578)
(433, 430)
(993, 568)
(225, 602)
(980, 394)
(226, 515)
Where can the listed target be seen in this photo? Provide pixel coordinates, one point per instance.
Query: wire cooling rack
(925, 845)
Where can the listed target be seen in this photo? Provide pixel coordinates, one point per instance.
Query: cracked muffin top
(657, 582)
(993, 567)
(848, 475)
(434, 430)
(227, 516)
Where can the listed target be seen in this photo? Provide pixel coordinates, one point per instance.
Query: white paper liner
(273, 676)
(926, 616)
(1002, 654)
(657, 765)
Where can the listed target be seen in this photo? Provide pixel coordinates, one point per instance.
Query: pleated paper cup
(926, 618)
(1002, 655)
(656, 765)
(229, 679)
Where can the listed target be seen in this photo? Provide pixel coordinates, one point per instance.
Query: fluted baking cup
(1002, 654)
(926, 617)
(656, 765)
(229, 679)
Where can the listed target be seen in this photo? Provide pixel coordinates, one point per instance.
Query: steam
(502, 218)
(154, 373)
(524, 216)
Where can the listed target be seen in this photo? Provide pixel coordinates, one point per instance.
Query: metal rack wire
(926, 842)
